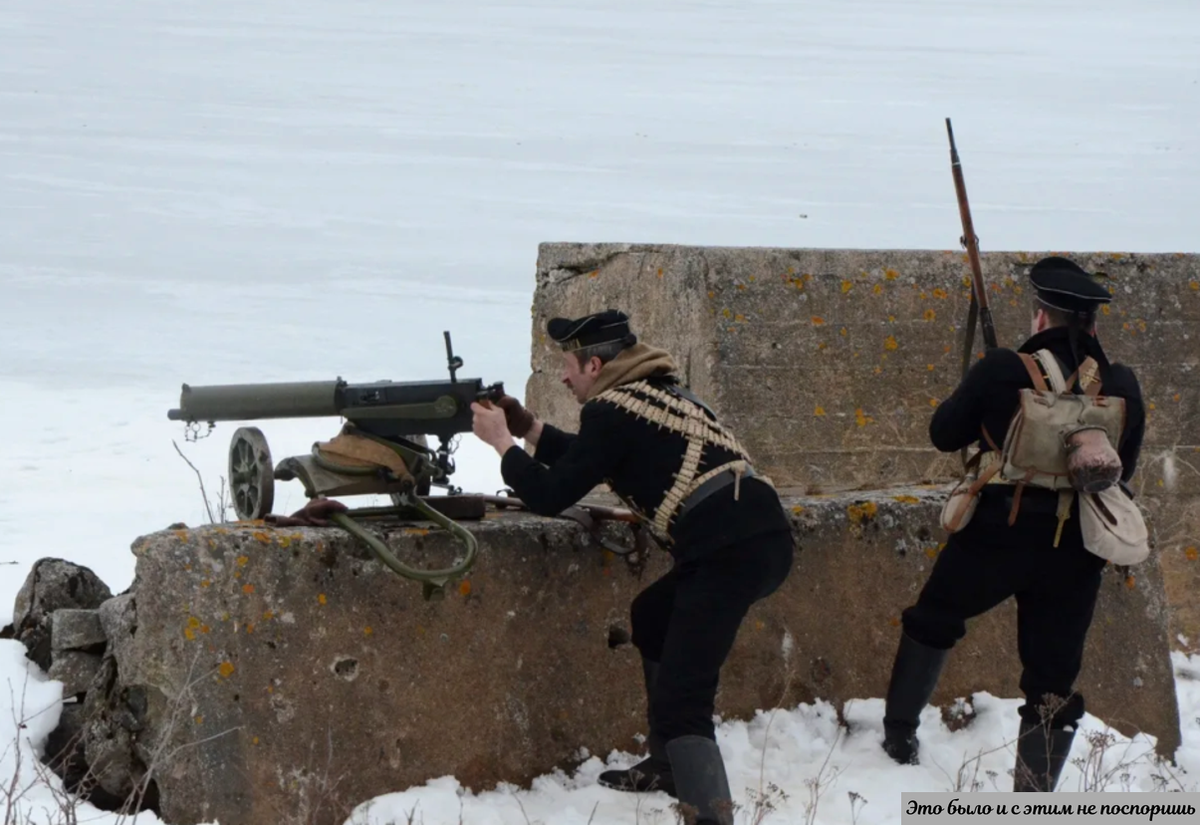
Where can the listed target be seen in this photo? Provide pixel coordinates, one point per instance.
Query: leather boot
(700, 781)
(654, 772)
(915, 674)
(1041, 755)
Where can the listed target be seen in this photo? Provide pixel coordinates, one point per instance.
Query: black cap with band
(600, 328)
(1064, 285)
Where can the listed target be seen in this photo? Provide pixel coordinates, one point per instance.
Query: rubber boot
(1040, 757)
(915, 674)
(700, 781)
(654, 772)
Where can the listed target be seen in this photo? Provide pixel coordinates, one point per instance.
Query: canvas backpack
(1064, 441)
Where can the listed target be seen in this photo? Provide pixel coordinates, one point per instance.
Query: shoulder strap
(1089, 376)
(681, 391)
(1054, 371)
(1039, 383)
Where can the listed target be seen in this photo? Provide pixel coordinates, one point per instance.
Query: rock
(75, 669)
(112, 725)
(52, 584)
(118, 619)
(74, 629)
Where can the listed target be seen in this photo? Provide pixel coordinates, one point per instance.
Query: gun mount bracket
(251, 474)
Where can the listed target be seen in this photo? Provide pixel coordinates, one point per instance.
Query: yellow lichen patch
(741, 286)
(739, 318)
(464, 587)
(966, 281)
(321, 598)
(204, 628)
(858, 512)
(817, 320)
(285, 541)
(220, 531)
(189, 634)
(712, 294)
(727, 312)
(847, 286)
(751, 279)
(891, 274)
(922, 296)
(877, 289)
(368, 630)
(907, 499)
(1175, 397)
(894, 621)
(205, 582)
(182, 535)
(212, 542)
(879, 370)
(249, 627)
(946, 348)
(254, 741)
(1150, 406)
(247, 588)
(861, 419)
(890, 342)
(797, 510)
(1191, 553)
(415, 531)
(268, 615)
(821, 345)
(594, 273)
(933, 402)
(929, 315)
(265, 538)
(929, 367)
(199, 720)
(1195, 285)
(660, 274)
(931, 553)
(843, 332)
(1129, 582)
(242, 561)
(939, 293)
(225, 669)
(819, 410)
(193, 622)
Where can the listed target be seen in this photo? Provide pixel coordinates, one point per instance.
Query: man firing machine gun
(382, 449)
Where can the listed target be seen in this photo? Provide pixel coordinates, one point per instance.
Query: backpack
(1064, 441)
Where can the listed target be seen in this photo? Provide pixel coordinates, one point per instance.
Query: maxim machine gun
(381, 449)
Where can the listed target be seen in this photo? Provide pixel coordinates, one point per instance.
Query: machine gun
(382, 447)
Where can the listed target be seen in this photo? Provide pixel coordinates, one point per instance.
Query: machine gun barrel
(249, 402)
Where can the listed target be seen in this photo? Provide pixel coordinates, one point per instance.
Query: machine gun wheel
(251, 474)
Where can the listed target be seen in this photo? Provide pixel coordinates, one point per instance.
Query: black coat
(638, 460)
(988, 397)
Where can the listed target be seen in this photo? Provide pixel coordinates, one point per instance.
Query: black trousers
(688, 620)
(1055, 590)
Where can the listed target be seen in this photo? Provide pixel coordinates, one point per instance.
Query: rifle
(979, 309)
(979, 301)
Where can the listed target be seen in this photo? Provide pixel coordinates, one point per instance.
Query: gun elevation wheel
(251, 474)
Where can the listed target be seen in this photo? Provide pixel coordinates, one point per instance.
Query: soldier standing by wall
(662, 451)
(994, 557)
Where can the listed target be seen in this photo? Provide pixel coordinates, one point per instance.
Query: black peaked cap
(1064, 285)
(598, 328)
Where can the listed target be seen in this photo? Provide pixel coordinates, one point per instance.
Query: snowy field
(219, 191)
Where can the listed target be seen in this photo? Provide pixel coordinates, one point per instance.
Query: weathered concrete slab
(828, 363)
(311, 663)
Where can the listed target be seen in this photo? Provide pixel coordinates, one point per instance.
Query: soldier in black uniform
(661, 450)
(988, 560)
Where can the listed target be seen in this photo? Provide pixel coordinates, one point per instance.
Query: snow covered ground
(797, 761)
(262, 190)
